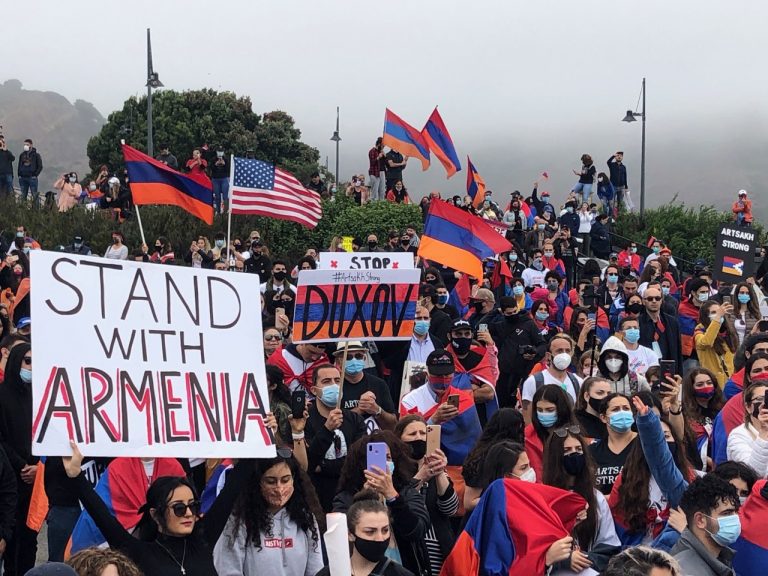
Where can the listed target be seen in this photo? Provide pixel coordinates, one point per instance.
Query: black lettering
(60, 386)
(115, 338)
(385, 262)
(169, 404)
(359, 309)
(194, 316)
(75, 289)
(211, 280)
(143, 398)
(94, 402)
(380, 303)
(397, 319)
(163, 334)
(185, 347)
(252, 406)
(102, 292)
(201, 405)
(305, 316)
(139, 277)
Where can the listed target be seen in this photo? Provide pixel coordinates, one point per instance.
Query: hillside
(59, 129)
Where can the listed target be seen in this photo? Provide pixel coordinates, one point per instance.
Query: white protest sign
(134, 359)
(365, 261)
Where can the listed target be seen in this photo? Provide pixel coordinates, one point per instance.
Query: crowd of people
(573, 364)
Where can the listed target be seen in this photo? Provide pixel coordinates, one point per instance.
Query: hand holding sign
(73, 464)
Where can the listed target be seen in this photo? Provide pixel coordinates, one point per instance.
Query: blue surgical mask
(541, 316)
(621, 421)
(513, 257)
(220, 243)
(547, 419)
(390, 467)
(656, 249)
(518, 290)
(743, 298)
(665, 290)
(632, 335)
(330, 395)
(728, 531)
(26, 375)
(354, 366)
(421, 327)
(442, 299)
(569, 209)
(703, 297)
(540, 226)
(613, 278)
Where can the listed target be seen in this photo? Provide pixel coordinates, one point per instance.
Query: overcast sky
(522, 86)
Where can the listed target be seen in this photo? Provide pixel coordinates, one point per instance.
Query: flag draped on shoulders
(752, 546)
(152, 182)
(511, 529)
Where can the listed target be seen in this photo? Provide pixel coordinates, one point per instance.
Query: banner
(365, 260)
(334, 306)
(135, 359)
(735, 254)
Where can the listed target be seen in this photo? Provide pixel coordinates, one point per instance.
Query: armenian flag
(511, 529)
(153, 182)
(459, 240)
(733, 266)
(401, 136)
(475, 185)
(439, 141)
(752, 546)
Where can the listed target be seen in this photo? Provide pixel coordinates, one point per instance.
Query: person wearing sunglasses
(272, 340)
(658, 330)
(568, 465)
(276, 523)
(364, 393)
(171, 538)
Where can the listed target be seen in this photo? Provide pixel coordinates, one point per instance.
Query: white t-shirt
(529, 386)
(533, 277)
(642, 359)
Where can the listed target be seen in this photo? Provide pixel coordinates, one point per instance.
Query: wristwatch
(378, 413)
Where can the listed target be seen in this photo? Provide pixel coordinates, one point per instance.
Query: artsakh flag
(436, 135)
(733, 266)
(752, 546)
(511, 529)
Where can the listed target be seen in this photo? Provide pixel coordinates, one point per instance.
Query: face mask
(714, 318)
(743, 298)
(26, 147)
(634, 250)
(561, 361)
(705, 392)
(115, 240)
(656, 249)
(621, 421)
(279, 276)
(442, 299)
(278, 497)
(635, 308)
(18, 271)
(703, 297)
(541, 316)
(518, 290)
(513, 257)
(540, 226)
(549, 254)
(354, 366)
(665, 290)
(330, 395)
(632, 335)
(418, 449)
(528, 476)
(569, 209)
(728, 530)
(26, 249)
(742, 500)
(613, 278)
(390, 467)
(92, 187)
(372, 245)
(220, 243)
(595, 403)
(19, 234)
(421, 327)
(158, 248)
(78, 245)
(72, 179)
(26, 375)
(371, 550)
(461, 345)
(553, 286)
(574, 463)
(673, 450)
(614, 365)
(545, 199)
(511, 318)
(547, 419)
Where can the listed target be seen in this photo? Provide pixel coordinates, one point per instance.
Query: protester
(6, 169)
(748, 442)
(587, 410)
(560, 350)
(197, 164)
(583, 187)
(702, 401)
(220, 173)
(69, 190)
(30, 167)
(643, 561)
(742, 210)
(118, 250)
(746, 309)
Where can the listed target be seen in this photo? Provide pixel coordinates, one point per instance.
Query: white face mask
(527, 476)
(561, 361)
(614, 364)
(26, 147)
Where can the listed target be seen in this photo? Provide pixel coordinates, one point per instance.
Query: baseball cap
(460, 325)
(483, 294)
(742, 192)
(440, 363)
(23, 322)
(52, 569)
(351, 346)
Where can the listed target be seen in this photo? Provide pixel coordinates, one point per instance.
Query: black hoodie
(16, 412)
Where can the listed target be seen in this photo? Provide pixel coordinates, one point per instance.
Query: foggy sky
(522, 86)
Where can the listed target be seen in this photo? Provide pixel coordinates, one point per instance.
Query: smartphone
(668, 369)
(656, 388)
(482, 327)
(592, 316)
(453, 400)
(727, 299)
(765, 400)
(376, 456)
(279, 311)
(762, 326)
(298, 404)
(433, 438)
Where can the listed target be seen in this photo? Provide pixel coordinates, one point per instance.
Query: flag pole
(138, 215)
(229, 211)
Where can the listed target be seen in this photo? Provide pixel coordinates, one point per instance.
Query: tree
(186, 120)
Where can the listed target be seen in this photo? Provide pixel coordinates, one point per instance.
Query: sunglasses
(653, 299)
(179, 509)
(285, 452)
(563, 432)
(270, 337)
(27, 360)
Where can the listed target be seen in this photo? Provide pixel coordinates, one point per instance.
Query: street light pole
(153, 81)
(642, 161)
(336, 138)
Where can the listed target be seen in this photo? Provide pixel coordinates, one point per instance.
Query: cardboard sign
(346, 243)
(735, 254)
(135, 359)
(334, 306)
(365, 261)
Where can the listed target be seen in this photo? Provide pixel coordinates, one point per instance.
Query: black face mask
(418, 449)
(158, 248)
(371, 550)
(279, 276)
(461, 345)
(635, 308)
(478, 306)
(595, 403)
(574, 463)
(372, 245)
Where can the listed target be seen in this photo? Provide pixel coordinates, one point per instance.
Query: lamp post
(336, 138)
(631, 117)
(153, 81)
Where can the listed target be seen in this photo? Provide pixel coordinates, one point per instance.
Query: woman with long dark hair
(746, 310)
(716, 340)
(505, 424)
(410, 518)
(748, 443)
(550, 409)
(702, 400)
(610, 453)
(593, 391)
(567, 465)
(276, 524)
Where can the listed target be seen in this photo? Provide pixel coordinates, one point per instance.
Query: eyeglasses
(179, 509)
(27, 360)
(653, 298)
(270, 337)
(285, 452)
(563, 432)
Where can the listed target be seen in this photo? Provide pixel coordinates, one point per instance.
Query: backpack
(538, 379)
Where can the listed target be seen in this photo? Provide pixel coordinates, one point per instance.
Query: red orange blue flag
(401, 136)
(475, 185)
(440, 143)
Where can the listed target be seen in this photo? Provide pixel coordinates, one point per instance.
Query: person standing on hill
(6, 169)
(742, 210)
(30, 166)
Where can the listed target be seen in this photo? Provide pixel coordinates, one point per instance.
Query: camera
(527, 349)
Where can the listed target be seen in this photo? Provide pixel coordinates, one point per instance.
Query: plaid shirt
(374, 166)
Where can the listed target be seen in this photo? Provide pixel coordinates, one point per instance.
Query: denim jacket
(659, 458)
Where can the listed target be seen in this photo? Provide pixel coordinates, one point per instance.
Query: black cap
(460, 325)
(440, 363)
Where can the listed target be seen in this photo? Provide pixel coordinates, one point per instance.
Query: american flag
(259, 188)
